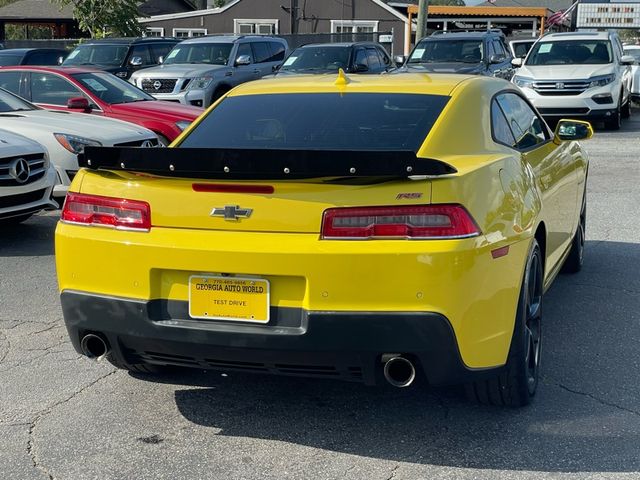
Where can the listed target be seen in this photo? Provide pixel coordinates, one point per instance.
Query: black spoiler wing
(261, 164)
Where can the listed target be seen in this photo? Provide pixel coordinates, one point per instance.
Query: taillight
(415, 221)
(111, 212)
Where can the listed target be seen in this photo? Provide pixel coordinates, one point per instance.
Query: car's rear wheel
(574, 261)
(614, 122)
(517, 384)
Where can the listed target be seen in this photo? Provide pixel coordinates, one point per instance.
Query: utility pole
(423, 13)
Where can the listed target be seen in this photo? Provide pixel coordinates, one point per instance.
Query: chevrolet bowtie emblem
(231, 212)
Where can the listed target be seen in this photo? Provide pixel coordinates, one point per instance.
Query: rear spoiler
(257, 164)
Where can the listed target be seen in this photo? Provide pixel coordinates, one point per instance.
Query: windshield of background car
(521, 48)
(211, 53)
(317, 59)
(12, 103)
(447, 51)
(109, 55)
(319, 121)
(634, 52)
(10, 60)
(111, 89)
(571, 52)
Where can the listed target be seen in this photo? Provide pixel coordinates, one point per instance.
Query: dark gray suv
(200, 70)
(474, 53)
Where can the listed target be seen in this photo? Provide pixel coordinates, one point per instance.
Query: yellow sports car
(363, 229)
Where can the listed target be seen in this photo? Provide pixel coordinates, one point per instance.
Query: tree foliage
(105, 17)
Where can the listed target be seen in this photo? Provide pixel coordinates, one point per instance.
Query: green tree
(106, 17)
(219, 3)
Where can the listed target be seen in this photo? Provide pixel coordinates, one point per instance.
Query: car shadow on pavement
(585, 418)
(32, 238)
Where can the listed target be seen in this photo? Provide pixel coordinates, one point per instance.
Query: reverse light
(200, 83)
(118, 213)
(74, 143)
(424, 222)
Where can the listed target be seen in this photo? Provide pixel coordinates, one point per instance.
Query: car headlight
(75, 144)
(182, 124)
(523, 82)
(601, 80)
(200, 83)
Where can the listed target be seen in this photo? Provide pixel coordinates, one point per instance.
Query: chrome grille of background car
(138, 143)
(561, 87)
(166, 85)
(37, 169)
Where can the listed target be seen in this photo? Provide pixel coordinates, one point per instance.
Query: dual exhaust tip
(398, 371)
(94, 346)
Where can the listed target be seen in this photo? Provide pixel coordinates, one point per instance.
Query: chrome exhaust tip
(399, 372)
(94, 346)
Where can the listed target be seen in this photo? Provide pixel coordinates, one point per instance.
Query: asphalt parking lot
(65, 417)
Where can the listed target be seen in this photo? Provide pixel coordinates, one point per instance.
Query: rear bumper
(344, 345)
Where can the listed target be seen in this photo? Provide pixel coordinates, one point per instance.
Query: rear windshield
(571, 52)
(317, 59)
(324, 121)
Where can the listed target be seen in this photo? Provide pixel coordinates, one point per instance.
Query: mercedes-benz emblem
(147, 144)
(20, 170)
(157, 85)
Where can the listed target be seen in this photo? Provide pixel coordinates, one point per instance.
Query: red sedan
(97, 92)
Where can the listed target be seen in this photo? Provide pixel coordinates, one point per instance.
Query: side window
(375, 65)
(384, 57)
(244, 49)
(52, 89)
(141, 51)
(361, 57)
(10, 81)
(261, 52)
(42, 58)
(159, 50)
(490, 49)
(527, 127)
(497, 47)
(500, 127)
(277, 51)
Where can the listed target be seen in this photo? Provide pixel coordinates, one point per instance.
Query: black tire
(517, 384)
(614, 122)
(625, 111)
(136, 368)
(15, 220)
(575, 259)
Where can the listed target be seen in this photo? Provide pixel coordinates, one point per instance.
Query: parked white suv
(578, 75)
(634, 51)
(26, 178)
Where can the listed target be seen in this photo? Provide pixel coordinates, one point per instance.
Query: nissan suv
(200, 70)
(579, 75)
(473, 53)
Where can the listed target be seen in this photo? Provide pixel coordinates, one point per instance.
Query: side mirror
(160, 60)
(135, 61)
(399, 60)
(360, 68)
(243, 60)
(496, 59)
(569, 130)
(517, 62)
(60, 60)
(78, 103)
(627, 60)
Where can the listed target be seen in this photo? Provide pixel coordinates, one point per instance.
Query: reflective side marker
(500, 252)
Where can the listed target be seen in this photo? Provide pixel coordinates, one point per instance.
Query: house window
(354, 26)
(189, 32)
(154, 32)
(255, 26)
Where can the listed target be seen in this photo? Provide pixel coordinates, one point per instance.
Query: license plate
(229, 298)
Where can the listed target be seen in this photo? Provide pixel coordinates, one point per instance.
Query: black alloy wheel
(533, 324)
